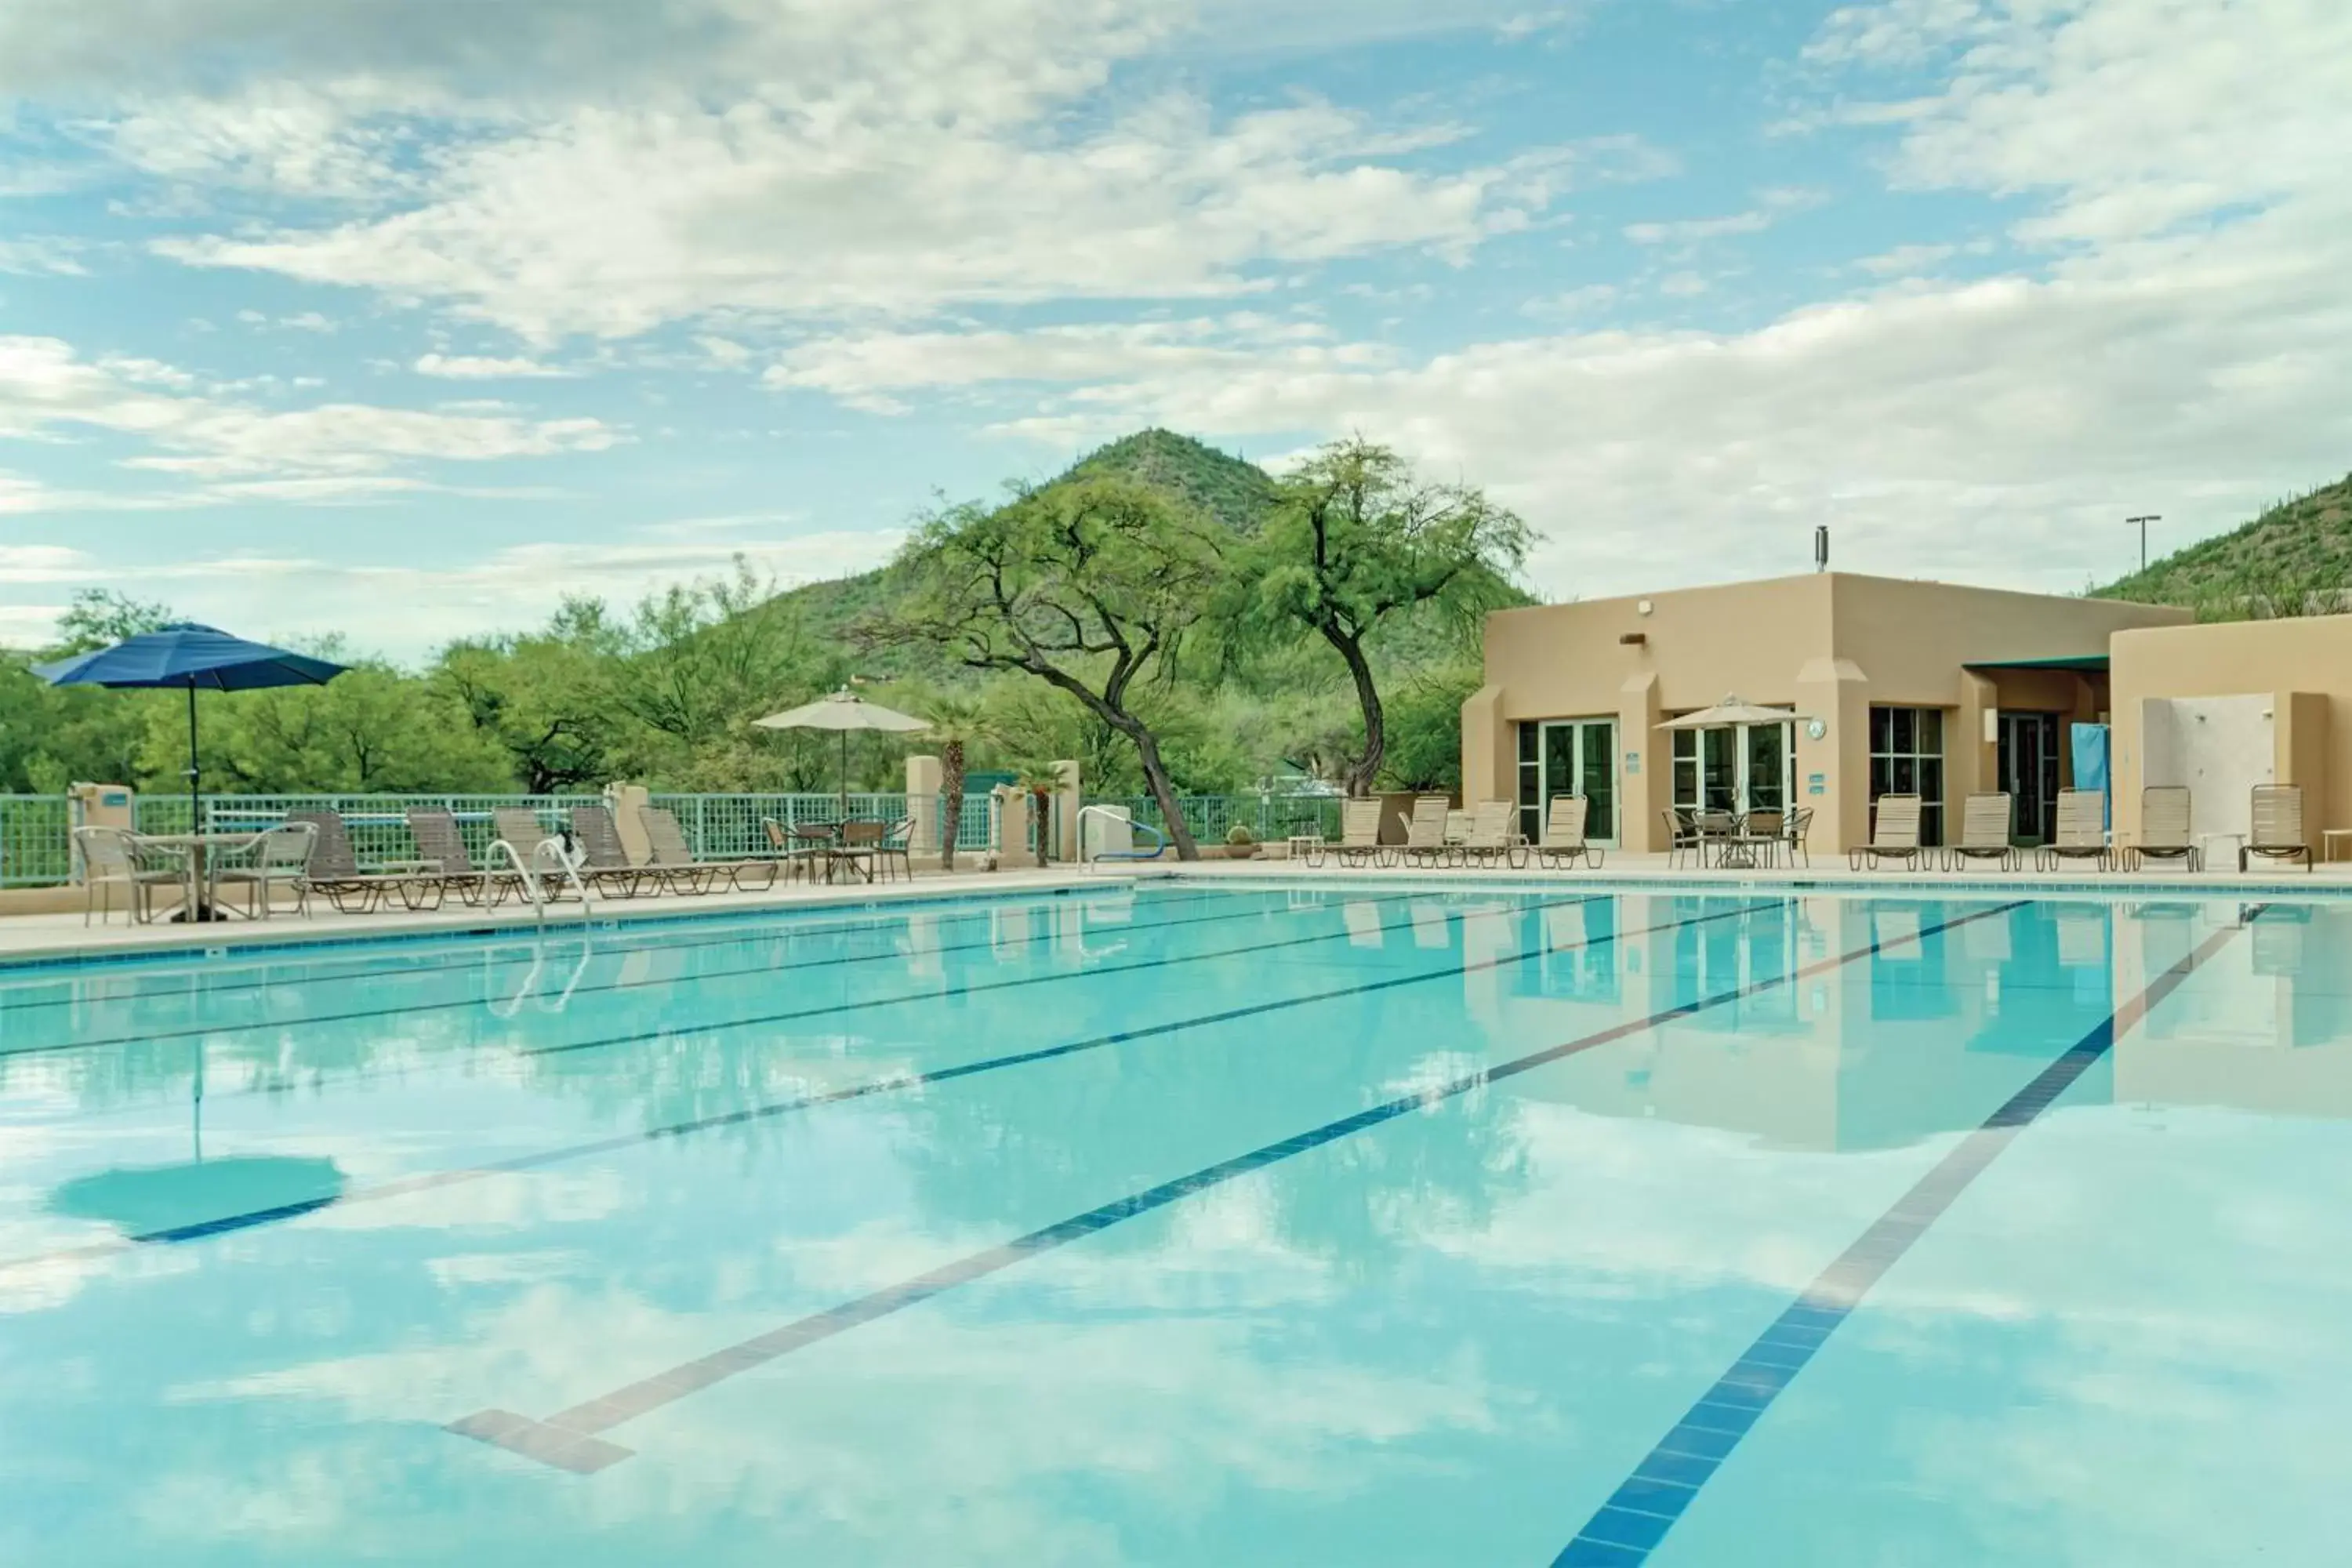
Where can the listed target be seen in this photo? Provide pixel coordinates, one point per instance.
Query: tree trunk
(1365, 768)
(1155, 778)
(951, 806)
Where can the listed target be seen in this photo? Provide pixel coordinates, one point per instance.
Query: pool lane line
(211, 1031)
(570, 1439)
(1625, 1528)
(755, 929)
(403, 1186)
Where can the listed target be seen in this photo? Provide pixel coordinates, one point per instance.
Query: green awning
(2084, 661)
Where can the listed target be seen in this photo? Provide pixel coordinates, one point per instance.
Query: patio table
(196, 851)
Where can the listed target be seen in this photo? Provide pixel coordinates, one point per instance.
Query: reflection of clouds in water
(2131, 1325)
(1612, 1207)
(552, 1196)
(1007, 1424)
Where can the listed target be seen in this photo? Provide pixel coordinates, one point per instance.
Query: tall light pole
(2142, 522)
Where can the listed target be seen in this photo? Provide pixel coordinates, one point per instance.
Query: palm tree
(1039, 777)
(956, 723)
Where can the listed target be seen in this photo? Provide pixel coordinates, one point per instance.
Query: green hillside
(2296, 558)
(1234, 492)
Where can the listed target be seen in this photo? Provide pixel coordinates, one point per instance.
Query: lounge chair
(520, 827)
(605, 862)
(1985, 826)
(1563, 842)
(1894, 835)
(279, 857)
(1424, 833)
(672, 857)
(2081, 831)
(439, 842)
(2164, 829)
(2277, 832)
(1359, 836)
(334, 870)
(112, 856)
(1490, 839)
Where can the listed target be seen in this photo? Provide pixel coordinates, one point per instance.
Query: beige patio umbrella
(843, 710)
(1734, 711)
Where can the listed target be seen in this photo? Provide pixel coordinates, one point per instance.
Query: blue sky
(400, 318)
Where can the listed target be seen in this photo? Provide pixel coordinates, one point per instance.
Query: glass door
(1572, 756)
(2028, 771)
(1740, 769)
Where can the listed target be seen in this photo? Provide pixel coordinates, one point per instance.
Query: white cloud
(612, 222)
(864, 370)
(47, 393)
(407, 610)
(1771, 207)
(33, 255)
(473, 367)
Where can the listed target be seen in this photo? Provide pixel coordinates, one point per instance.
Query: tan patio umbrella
(843, 710)
(1734, 711)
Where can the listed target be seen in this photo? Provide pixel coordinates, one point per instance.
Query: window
(1907, 757)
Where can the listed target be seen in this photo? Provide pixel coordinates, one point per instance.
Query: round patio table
(196, 851)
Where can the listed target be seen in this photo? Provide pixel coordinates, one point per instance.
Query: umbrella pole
(194, 811)
(845, 776)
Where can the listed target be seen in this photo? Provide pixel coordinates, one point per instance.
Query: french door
(1570, 756)
(1746, 768)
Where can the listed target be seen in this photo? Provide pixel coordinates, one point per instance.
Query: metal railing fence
(36, 840)
(1268, 817)
(729, 827)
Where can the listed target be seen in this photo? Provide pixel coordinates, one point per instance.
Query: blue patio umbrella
(200, 659)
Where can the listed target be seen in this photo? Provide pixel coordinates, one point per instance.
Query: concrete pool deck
(38, 938)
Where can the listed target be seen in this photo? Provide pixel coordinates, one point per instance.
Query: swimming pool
(1181, 1225)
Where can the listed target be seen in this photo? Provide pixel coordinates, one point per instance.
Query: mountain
(2294, 557)
(1232, 492)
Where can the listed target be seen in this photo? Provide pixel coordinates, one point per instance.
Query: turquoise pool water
(1192, 1226)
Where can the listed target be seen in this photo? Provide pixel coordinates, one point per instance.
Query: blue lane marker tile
(1696, 1446)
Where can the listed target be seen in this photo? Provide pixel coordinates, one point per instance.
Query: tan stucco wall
(2303, 667)
(1831, 645)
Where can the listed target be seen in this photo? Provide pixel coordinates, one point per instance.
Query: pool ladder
(548, 858)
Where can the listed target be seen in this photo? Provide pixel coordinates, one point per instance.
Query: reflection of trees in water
(1002, 1149)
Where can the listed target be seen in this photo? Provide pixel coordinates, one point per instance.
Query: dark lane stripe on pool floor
(1627, 1528)
(210, 1031)
(568, 1440)
(223, 1225)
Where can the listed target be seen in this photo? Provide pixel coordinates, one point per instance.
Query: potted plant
(1240, 843)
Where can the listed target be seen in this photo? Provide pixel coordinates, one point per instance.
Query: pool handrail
(1159, 839)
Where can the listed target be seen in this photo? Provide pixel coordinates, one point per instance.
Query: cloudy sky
(402, 317)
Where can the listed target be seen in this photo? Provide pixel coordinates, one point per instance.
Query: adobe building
(1894, 686)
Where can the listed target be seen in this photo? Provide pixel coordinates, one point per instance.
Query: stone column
(1646, 771)
(1067, 799)
(1837, 692)
(1489, 765)
(626, 800)
(1012, 828)
(924, 777)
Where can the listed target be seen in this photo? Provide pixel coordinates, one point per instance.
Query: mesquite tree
(1354, 537)
(1088, 584)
